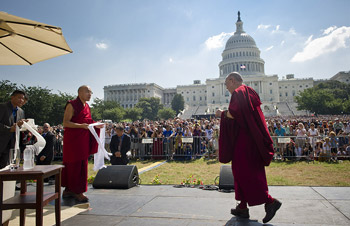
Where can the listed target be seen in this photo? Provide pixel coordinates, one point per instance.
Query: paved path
(165, 205)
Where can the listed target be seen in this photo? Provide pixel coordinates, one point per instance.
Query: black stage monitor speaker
(226, 178)
(117, 176)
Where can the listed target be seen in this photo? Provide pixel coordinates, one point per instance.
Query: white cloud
(309, 40)
(263, 26)
(217, 41)
(335, 39)
(269, 48)
(171, 60)
(282, 43)
(292, 31)
(101, 45)
(329, 30)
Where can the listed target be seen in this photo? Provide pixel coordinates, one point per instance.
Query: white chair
(9, 191)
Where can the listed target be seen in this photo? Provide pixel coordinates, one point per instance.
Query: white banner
(283, 140)
(147, 141)
(187, 140)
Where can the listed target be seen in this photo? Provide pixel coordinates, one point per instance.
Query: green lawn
(278, 173)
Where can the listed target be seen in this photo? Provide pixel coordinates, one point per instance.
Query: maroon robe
(78, 145)
(246, 142)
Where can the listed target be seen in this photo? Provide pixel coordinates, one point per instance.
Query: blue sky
(173, 42)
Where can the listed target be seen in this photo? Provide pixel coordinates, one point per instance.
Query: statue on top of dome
(239, 16)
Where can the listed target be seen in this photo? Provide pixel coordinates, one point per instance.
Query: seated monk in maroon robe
(78, 145)
(245, 140)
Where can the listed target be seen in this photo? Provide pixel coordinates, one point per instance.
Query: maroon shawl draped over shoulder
(246, 142)
(245, 108)
(79, 144)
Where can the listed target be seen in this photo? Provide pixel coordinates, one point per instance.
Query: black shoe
(238, 212)
(271, 210)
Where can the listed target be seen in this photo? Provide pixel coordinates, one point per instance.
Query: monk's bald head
(233, 81)
(83, 88)
(236, 76)
(84, 93)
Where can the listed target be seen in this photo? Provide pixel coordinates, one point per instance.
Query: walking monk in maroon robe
(78, 145)
(245, 140)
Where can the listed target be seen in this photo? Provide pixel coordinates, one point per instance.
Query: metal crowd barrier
(189, 148)
(287, 148)
(173, 148)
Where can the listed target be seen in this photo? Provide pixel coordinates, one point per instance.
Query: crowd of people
(317, 137)
(323, 138)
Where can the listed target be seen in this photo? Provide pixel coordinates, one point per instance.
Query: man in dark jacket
(120, 145)
(11, 115)
(45, 157)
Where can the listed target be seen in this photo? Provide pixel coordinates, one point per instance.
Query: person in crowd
(168, 135)
(144, 148)
(196, 133)
(308, 151)
(108, 138)
(347, 129)
(290, 151)
(312, 133)
(286, 128)
(334, 145)
(58, 149)
(347, 150)
(326, 154)
(300, 139)
(187, 132)
(215, 141)
(120, 145)
(45, 157)
(11, 114)
(280, 132)
(321, 131)
(78, 145)
(134, 134)
(338, 126)
(245, 140)
(149, 131)
(157, 151)
(27, 139)
(178, 144)
(330, 126)
(318, 149)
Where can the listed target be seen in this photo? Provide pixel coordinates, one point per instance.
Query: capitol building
(241, 54)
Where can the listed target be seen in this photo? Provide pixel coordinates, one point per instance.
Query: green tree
(6, 89)
(178, 103)
(39, 105)
(115, 114)
(133, 114)
(101, 110)
(150, 107)
(166, 113)
(331, 97)
(59, 102)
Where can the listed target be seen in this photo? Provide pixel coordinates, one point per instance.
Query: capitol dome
(241, 54)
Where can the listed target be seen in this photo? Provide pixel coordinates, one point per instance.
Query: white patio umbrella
(25, 42)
